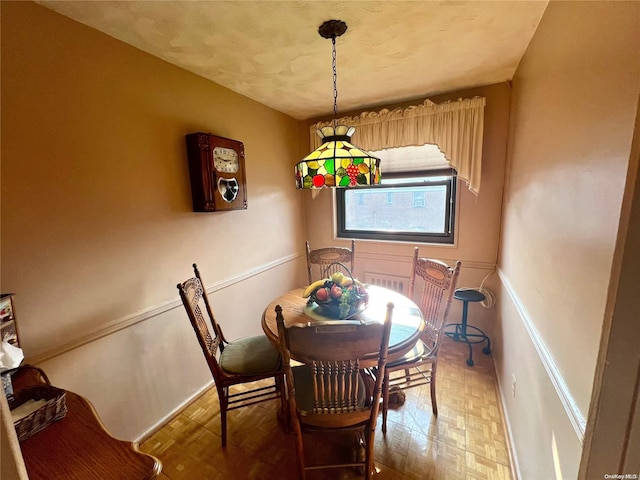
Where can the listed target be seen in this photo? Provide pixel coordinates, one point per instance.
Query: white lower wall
(472, 274)
(154, 367)
(544, 435)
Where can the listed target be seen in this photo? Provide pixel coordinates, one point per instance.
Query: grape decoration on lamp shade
(337, 162)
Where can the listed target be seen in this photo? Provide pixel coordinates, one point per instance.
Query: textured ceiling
(272, 53)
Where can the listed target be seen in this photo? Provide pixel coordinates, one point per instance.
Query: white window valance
(455, 127)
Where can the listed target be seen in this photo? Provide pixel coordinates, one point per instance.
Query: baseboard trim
(169, 416)
(571, 408)
(513, 458)
(153, 311)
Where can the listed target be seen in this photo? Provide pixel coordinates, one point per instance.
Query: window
(416, 206)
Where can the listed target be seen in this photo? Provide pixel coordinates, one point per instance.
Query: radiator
(392, 282)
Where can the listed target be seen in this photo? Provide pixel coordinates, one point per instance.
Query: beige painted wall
(574, 104)
(97, 227)
(612, 436)
(477, 223)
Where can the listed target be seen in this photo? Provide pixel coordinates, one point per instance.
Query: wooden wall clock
(216, 168)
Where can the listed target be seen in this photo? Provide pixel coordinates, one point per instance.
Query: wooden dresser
(78, 447)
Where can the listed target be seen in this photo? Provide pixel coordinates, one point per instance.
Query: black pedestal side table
(468, 333)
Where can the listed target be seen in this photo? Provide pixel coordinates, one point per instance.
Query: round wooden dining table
(406, 321)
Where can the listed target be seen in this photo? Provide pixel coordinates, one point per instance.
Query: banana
(311, 288)
(346, 281)
(338, 278)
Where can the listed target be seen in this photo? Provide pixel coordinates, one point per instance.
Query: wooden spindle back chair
(330, 391)
(326, 260)
(246, 360)
(439, 282)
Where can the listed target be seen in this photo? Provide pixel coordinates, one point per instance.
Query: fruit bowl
(337, 296)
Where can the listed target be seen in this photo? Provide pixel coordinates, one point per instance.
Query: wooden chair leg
(284, 404)
(223, 425)
(432, 387)
(222, 397)
(360, 453)
(369, 465)
(385, 401)
(299, 449)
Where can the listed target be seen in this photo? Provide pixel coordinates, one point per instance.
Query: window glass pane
(407, 207)
(420, 209)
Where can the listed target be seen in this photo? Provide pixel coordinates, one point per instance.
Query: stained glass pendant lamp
(337, 162)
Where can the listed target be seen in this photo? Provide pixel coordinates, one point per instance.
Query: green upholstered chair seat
(250, 356)
(303, 383)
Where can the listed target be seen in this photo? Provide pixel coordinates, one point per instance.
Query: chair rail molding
(573, 412)
(153, 311)
(476, 264)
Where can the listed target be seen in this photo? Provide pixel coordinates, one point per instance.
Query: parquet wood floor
(465, 441)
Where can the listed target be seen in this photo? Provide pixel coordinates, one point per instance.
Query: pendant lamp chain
(335, 83)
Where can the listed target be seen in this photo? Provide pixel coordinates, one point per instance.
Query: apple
(322, 294)
(336, 291)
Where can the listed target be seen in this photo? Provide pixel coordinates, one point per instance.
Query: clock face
(225, 160)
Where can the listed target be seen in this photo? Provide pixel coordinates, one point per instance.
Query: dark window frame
(447, 238)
